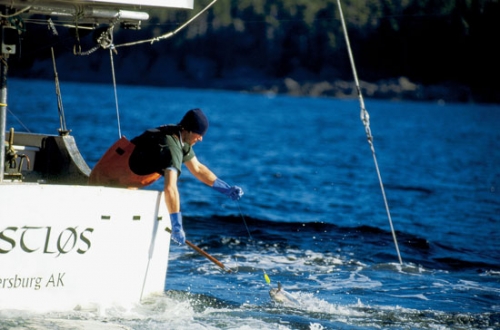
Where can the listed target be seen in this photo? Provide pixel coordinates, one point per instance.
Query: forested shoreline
(413, 49)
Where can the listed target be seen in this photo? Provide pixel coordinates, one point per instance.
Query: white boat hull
(64, 246)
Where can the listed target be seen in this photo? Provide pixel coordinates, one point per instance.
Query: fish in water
(281, 296)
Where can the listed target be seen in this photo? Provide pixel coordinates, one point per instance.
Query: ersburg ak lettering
(33, 282)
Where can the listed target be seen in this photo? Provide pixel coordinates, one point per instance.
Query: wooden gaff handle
(203, 253)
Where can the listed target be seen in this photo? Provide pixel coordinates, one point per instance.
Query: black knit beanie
(195, 121)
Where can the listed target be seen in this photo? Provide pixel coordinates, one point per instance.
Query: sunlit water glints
(313, 206)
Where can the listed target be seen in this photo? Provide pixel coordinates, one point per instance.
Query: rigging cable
(63, 130)
(104, 40)
(19, 121)
(111, 49)
(169, 34)
(17, 13)
(365, 118)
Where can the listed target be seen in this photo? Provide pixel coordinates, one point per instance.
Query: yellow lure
(268, 280)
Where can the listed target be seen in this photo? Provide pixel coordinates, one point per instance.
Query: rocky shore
(202, 74)
(393, 89)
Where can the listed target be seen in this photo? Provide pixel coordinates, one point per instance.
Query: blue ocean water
(313, 207)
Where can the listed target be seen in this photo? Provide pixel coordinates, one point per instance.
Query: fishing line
(365, 118)
(244, 221)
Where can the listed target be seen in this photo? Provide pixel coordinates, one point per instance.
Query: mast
(9, 38)
(3, 96)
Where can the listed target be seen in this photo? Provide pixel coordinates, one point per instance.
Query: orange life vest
(113, 168)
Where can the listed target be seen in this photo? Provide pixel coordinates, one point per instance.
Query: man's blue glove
(178, 234)
(233, 192)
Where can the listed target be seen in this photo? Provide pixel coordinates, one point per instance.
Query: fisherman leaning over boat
(159, 152)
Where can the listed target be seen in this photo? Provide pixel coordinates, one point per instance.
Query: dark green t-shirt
(158, 149)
